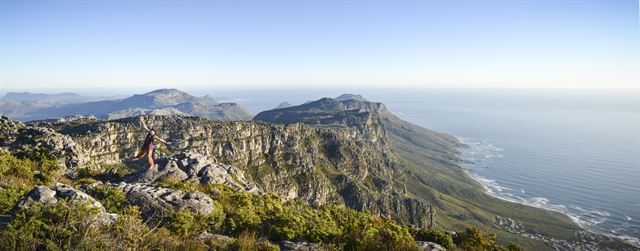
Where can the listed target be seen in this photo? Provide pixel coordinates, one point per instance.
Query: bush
(9, 196)
(46, 164)
(63, 225)
(173, 183)
(113, 199)
(476, 239)
(216, 218)
(18, 175)
(436, 236)
(182, 222)
(514, 247)
(19, 168)
(248, 241)
(115, 171)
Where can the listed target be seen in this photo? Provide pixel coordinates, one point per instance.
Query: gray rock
(65, 191)
(429, 246)
(185, 165)
(47, 195)
(158, 200)
(228, 175)
(40, 194)
(215, 237)
(166, 168)
(18, 137)
(510, 224)
(299, 246)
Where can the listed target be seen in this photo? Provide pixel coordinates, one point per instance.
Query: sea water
(576, 152)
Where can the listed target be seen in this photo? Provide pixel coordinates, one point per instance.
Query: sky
(318, 44)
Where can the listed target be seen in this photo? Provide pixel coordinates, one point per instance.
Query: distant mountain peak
(166, 91)
(161, 101)
(283, 105)
(348, 96)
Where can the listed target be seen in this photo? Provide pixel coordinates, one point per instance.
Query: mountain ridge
(161, 102)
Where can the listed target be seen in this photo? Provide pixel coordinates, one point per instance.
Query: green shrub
(46, 164)
(476, 239)
(182, 222)
(248, 241)
(216, 218)
(436, 236)
(9, 196)
(11, 165)
(18, 175)
(514, 247)
(113, 199)
(115, 171)
(173, 183)
(63, 225)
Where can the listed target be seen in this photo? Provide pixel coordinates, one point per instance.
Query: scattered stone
(215, 237)
(429, 246)
(510, 224)
(298, 246)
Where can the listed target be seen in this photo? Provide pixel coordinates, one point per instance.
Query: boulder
(61, 191)
(158, 200)
(40, 194)
(228, 175)
(166, 168)
(299, 246)
(429, 246)
(185, 166)
(215, 237)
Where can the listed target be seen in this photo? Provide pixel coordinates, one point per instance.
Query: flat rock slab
(161, 200)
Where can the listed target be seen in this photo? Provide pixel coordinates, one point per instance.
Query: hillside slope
(435, 176)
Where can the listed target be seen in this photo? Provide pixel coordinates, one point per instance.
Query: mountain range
(159, 102)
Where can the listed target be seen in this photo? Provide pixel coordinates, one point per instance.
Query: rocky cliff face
(17, 137)
(351, 165)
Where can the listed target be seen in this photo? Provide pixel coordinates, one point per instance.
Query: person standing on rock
(147, 147)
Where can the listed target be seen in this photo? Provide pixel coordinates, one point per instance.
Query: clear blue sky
(477, 44)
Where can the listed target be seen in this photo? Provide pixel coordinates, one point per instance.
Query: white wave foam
(585, 218)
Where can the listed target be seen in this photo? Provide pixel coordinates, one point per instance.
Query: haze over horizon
(68, 45)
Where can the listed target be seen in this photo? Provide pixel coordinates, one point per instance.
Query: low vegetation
(254, 222)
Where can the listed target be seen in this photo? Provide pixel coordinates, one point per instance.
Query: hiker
(147, 147)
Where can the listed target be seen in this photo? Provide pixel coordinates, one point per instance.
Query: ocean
(576, 152)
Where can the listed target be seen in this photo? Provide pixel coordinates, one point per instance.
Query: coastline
(492, 188)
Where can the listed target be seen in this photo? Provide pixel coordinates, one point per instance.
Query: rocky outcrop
(351, 164)
(17, 137)
(216, 238)
(190, 166)
(299, 246)
(162, 201)
(46, 195)
(429, 246)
